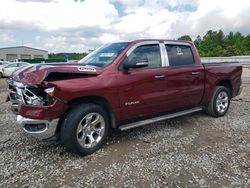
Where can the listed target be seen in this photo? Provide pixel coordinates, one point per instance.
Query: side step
(160, 118)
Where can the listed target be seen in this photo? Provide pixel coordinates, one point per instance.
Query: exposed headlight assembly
(18, 84)
(50, 91)
(31, 98)
(39, 95)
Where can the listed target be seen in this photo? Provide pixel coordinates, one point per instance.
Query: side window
(11, 65)
(151, 52)
(21, 64)
(179, 55)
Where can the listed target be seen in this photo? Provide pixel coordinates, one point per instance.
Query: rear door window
(179, 55)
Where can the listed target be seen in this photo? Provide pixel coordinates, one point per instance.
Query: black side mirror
(136, 62)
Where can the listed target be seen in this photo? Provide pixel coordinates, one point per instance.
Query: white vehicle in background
(3, 64)
(8, 69)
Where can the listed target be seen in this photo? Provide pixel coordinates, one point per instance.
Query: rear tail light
(241, 78)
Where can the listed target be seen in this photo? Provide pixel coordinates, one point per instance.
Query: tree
(185, 37)
(246, 45)
(216, 43)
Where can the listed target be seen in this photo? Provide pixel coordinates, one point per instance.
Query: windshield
(104, 55)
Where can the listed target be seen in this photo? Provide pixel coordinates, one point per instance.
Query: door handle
(159, 76)
(195, 73)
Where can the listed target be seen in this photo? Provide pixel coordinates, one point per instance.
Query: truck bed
(222, 72)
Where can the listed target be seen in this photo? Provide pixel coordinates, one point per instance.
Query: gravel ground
(190, 151)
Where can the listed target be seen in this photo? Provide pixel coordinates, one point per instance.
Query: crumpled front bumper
(41, 129)
(37, 120)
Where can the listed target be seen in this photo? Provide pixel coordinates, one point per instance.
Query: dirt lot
(191, 151)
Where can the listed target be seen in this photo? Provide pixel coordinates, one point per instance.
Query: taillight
(241, 77)
(241, 74)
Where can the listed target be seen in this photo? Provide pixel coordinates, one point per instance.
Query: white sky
(69, 26)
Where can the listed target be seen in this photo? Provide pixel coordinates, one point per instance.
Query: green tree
(185, 37)
(246, 45)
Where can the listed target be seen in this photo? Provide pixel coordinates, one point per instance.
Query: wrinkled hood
(35, 74)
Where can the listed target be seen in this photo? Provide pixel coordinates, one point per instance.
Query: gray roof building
(22, 52)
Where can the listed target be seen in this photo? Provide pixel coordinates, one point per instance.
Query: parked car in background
(8, 69)
(2, 64)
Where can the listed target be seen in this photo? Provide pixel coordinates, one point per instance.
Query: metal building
(22, 52)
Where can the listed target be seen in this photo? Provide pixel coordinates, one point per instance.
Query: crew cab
(119, 86)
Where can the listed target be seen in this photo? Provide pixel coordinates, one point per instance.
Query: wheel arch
(95, 100)
(227, 84)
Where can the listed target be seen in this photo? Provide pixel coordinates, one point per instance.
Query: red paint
(179, 89)
(43, 112)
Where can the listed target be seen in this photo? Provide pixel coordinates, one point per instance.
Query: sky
(83, 25)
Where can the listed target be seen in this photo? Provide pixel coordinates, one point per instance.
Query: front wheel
(220, 101)
(85, 129)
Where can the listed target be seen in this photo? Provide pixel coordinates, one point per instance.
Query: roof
(163, 40)
(23, 47)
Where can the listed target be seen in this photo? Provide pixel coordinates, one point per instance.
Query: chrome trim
(48, 132)
(15, 95)
(195, 73)
(159, 76)
(164, 55)
(160, 118)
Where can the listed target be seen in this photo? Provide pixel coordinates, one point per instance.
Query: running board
(160, 118)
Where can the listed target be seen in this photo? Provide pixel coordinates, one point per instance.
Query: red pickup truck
(120, 85)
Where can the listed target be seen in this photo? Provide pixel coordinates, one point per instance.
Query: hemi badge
(88, 69)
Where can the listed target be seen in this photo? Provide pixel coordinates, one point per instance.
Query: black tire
(75, 121)
(212, 107)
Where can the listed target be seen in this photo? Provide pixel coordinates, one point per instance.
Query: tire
(85, 129)
(220, 102)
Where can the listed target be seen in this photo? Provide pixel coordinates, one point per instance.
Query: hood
(35, 74)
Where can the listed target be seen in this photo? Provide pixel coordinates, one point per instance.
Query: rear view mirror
(136, 62)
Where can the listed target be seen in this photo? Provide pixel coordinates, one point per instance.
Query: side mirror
(136, 62)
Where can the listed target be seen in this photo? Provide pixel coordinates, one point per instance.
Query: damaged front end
(34, 98)
(37, 109)
(29, 94)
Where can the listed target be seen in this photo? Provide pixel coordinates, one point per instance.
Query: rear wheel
(85, 129)
(220, 102)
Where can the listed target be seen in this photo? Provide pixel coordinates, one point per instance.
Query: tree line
(67, 56)
(216, 43)
(212, 44)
